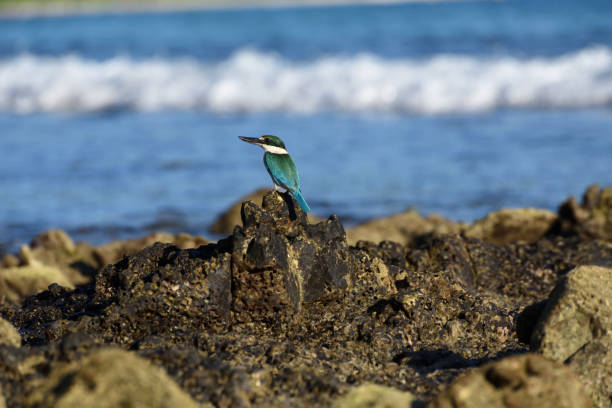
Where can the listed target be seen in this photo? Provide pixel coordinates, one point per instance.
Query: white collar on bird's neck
(274, 149)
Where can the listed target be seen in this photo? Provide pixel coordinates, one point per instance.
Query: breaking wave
(253, 81)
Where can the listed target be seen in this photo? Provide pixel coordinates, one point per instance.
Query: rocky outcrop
(286, 313)
(501, 227)
(113, 251)
(592, 219)
(525, 381)
(53, 257)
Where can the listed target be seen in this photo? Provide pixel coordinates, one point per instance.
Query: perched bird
(280, 166)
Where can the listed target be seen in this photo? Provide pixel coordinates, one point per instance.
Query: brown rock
(593, 363)
(113, 251)
(592, 219)
(52, 257)
(226, 222)
(16, 283)
(402, 228)
(578, 312)
(109, 378)
(54, 248)
(512, 225)
(285, 313)
(376, 396)
(525, 381)
(8, 334)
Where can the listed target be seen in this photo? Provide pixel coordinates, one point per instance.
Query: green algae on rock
(526, 381)
(109, 378)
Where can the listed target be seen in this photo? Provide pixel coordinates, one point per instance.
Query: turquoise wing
(282, 170)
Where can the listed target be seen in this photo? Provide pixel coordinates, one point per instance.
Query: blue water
(116, 125)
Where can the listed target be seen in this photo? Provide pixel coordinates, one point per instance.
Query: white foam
(252, 81)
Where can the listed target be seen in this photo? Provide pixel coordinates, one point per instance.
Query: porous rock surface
(578, 311)
(52, 257)
(285, 313)
(576, 327)
(526, 381)
(593, 363)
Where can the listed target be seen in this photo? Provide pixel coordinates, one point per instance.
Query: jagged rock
(9, 336)
(376, 396)
(53, 257)
(109, 378)
(286, 313)
(525, 381)
(163, 288)
(280, 261)
(593, 363)
(578, 312)
(512, 225)
(592, 219)
(402, 228)
(16, 283)
(225, 223)
(113, 251)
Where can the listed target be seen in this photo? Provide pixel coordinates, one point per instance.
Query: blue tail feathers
(297, 194)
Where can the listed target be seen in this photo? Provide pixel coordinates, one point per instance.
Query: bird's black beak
(252, 140)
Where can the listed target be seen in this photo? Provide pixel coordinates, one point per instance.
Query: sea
(114, 125)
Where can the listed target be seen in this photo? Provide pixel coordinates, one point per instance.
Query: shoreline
(63, 9)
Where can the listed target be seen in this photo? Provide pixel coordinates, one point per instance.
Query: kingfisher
(280, 166)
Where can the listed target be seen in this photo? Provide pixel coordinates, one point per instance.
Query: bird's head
(269, 143)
